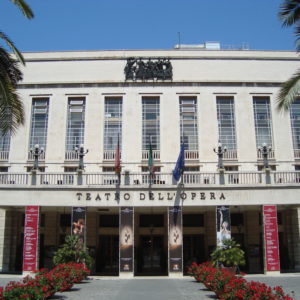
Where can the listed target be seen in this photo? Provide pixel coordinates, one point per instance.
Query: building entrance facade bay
(105, 141)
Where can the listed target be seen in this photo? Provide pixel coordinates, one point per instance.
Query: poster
(31, 233)
(126, 239)
(223, 224)
(271, 238)
(79, 222)
(175, 239)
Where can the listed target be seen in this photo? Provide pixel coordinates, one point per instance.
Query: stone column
(4, 261)
(175, 241)
(126, 215)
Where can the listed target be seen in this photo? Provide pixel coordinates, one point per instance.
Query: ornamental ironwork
(142, 69)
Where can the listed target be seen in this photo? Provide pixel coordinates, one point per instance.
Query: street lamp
(81, 154)
(220, 152)
(36, 152)
(265, 151)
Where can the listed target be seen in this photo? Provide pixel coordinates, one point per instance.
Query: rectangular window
(188, 122)
(112, 123)
(263, 121)
(151, 124)
(39, 123)
(295, 123)
(109, 221)
(153, 220)
(193, 220)
(226, 122)
(75, 125)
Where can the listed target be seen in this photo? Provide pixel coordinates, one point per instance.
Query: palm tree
(11, 107)
(289, 14)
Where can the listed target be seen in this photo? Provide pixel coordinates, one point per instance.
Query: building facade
(163, 98)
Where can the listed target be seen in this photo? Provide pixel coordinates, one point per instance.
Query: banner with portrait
(223, 224)
(79, 222)
(126, 239)
(175, 239)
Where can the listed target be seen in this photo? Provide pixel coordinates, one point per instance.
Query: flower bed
(228, 286)
(45, 283)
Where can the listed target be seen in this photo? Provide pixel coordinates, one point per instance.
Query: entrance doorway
(152, 258)
(193, 249)
(107, 258)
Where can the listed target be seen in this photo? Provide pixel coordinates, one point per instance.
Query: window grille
(295, 123)
(112, 123)
(151, 122)
(263, 121)
(75, 125)
(188, 122)
(39, 123)
(226, 122)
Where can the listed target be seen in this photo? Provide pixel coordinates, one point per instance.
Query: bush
(230, 255)
(45, 283)
(72, 251)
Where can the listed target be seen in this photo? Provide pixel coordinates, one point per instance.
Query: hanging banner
(223, 224)
(31, 234)
(126, 239)
(271, 238)
(175, 239)
(79, 222)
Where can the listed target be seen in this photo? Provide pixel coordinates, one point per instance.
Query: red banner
(271, 238)
(31, 229)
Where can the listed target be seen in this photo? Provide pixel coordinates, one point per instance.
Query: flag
(118, 159)
(179, 168)
(150, 158)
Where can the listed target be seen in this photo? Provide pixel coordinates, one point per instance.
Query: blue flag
(179, 168)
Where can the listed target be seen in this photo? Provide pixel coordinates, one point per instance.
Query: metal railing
(4, 155)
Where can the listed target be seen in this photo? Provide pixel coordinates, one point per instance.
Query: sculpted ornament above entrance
(150, 196)
(148, 69)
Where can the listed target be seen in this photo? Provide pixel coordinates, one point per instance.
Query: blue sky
(141, 24)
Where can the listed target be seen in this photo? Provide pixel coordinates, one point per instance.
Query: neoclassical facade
(141, 222)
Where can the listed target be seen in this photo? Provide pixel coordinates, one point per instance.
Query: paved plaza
(156, 288)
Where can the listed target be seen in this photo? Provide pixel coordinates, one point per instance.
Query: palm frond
(288, 92)
(24, 8)
(11, 45)
(289, 12)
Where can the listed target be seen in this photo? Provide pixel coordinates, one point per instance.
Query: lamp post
(36, 152)
(81, 153)
(220, 152)
(265, 151)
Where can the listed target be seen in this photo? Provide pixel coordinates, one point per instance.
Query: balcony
(71, 155)
(4, 155)
(41, 156)
(271, 154)
(191, 154)
(110, 155)
(155, 153)
(230, 154)
(297, 153)
(144, 179)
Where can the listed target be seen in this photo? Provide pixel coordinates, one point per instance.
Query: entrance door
(107, 260)
(193, 249)
(152, 257)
